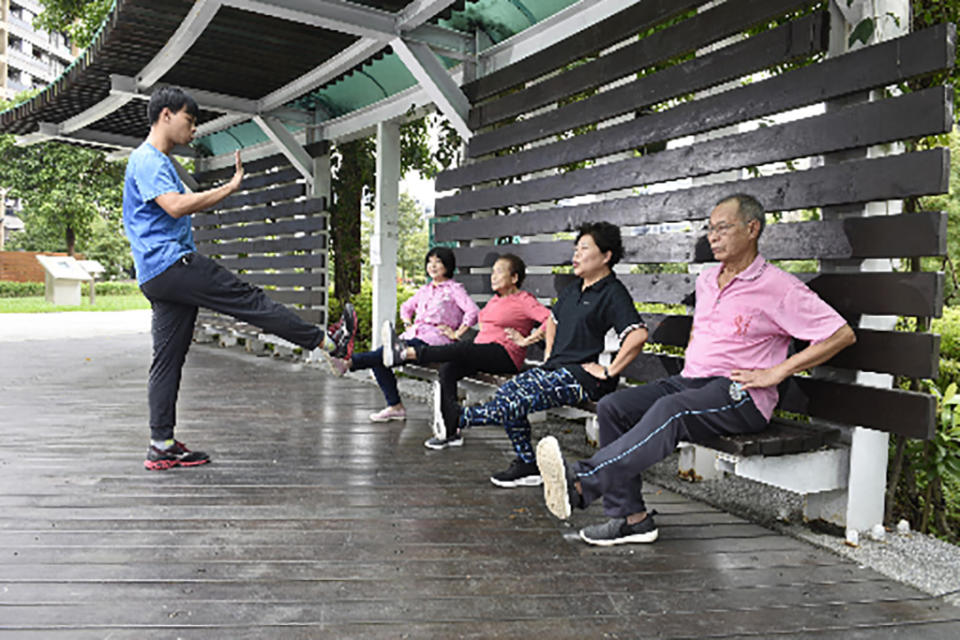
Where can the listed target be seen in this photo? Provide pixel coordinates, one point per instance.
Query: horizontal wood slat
(256, 214)
(316, 280)
(695, 33)
(911, 294)
(875, 66)
(276, 194)
(913, 115)
(253, 263)
(781, 437)
(888, 178)
(891, 410)
(898, 236)
(896, 352)
(797, 39)
(280, 245)
(255, 230)
(308, 297)
(271, 178)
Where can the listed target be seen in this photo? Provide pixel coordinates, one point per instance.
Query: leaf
(862, 32)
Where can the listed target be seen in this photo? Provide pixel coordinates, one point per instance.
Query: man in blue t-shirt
(177, 280)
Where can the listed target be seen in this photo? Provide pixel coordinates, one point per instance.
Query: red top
(520, 311)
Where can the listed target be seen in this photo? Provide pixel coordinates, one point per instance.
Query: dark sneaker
(176, 456)
(344, 332)
(439, 444)
(617, 531)
(559, 490)
(520, 474)
(393, 346)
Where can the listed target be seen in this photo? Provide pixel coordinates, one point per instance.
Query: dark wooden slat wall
(522, 194)
(868, 68)
(271, 234)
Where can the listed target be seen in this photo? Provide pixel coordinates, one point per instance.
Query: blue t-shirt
(157, 239)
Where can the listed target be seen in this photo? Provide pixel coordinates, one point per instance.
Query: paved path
(313, 522)
(15, 327)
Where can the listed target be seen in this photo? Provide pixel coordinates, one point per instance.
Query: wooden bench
(649, 132)
(273, 234)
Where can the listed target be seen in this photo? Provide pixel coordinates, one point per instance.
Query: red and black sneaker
(344, 332)
(176, 456)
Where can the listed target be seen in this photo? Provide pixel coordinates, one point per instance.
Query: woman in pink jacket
(509, 322)
(438, 314)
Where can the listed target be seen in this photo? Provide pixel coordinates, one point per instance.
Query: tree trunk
(355, 171)
(893, 478)
(71, 240)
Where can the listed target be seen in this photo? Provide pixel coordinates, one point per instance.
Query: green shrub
(10, 289)
(113, 288)
(948, 326)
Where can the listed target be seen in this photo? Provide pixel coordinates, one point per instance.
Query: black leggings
(462, 359)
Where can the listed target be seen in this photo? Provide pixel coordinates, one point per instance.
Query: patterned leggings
(531, 391)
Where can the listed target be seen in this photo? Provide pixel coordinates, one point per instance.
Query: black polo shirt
(583, 318)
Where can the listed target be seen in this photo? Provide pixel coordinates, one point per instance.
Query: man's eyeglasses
(719, 229)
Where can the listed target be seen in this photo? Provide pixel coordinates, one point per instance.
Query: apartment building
(29, 58)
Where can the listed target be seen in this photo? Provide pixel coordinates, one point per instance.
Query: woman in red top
(506, 323)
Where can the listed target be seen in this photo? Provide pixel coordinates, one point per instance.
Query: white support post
(863, 505)
(287, 143)
(383, 243)
(436, 81)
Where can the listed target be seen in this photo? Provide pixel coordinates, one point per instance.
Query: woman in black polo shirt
(575, 334)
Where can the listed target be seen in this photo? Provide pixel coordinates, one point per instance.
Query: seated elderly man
(747, 311)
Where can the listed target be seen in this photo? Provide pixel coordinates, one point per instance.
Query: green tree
(79, 19)
(354, 168)
(412, 239)
(70, 194)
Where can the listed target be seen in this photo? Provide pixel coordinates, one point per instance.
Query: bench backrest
(270, 233)
(606, 125)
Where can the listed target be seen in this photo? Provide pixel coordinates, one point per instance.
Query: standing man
(176, 279)
(747, 311)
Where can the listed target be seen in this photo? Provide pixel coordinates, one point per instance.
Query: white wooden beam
(288, 144)
(345, 17)
(127, 86)
(194, 24)
(436, 81)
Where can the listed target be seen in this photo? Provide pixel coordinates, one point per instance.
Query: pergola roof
(295, 62)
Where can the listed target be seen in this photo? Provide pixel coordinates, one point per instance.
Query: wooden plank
(617, 27)
(259, 263)
(797, 39)
(897, 352)
(907, 413)
(875, 66)
(912, 294)
(305, 243)
(251, 198)
(269, 212)
(254, 230)
(697, 32)
(308, 297)
(910, 116)
(268, 179)
(899, 236)
(887, 178)
(312, 280)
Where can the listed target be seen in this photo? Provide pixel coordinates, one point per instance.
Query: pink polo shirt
(435, 304)
(520, 311)
(749, 324)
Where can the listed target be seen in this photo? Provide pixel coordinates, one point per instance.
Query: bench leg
(698, 463)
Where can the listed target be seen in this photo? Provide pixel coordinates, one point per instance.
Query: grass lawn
(104, 303)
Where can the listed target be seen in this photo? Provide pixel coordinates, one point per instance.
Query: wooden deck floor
(313, 522)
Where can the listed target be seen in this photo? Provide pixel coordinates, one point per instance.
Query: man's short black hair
(445, 256)
(173, 98)
(607, 238)
(517, 266)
